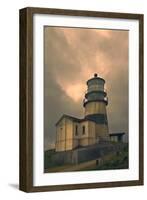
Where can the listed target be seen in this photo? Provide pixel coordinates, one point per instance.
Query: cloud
(72, 56)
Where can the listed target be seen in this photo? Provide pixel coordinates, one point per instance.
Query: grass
(118, 161)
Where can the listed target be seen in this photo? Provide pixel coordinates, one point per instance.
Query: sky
(71, 57)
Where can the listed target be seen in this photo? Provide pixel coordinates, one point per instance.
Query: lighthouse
(95, 104)
(72, 132)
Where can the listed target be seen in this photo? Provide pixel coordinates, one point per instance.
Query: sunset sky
(72, 56)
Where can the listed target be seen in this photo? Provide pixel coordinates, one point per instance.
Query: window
(83, 130)
(76, 131)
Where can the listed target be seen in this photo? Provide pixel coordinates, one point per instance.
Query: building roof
(71, 118)
(116, 134)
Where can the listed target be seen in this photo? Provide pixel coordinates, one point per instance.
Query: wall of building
(83, 134)
(88, 136)
(64, 135)
(60, 136)
(102, 132)
(117, 138)
(76, 134)
(114, 138)
(71, 135)
(91, 132)
(95, 107)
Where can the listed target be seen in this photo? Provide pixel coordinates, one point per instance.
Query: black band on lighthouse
(97, 118)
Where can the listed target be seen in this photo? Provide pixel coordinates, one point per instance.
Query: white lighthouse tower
(95, 103)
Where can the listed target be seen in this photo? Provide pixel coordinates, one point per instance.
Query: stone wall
(86, 153)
